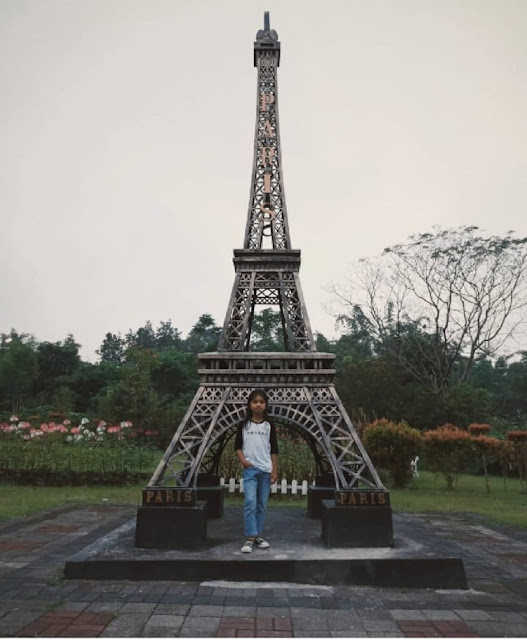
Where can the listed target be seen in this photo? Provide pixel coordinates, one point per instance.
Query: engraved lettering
(267, 99)
(267, 210)
(188, 496)
(267, 155)
(149, 496)
(159, 497)
(169, 496)
(268, 130)
(382, 498)
(363, 498)
(352, 499)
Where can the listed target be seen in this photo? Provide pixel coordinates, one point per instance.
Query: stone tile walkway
(35, 601)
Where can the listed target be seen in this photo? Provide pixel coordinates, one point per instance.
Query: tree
(143, 337)
(18, 370)
(323, 344)
(176, 373)
(441, 297)
(112, 349)
(513, 392)
(132, 397)
(204, 335)
(168, 336)
(267, 332)
(55, 360)
(90, 381)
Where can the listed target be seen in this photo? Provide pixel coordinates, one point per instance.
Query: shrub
(448, 450)
(54, 453)
(488, 450)
(392, 447)
(517, 441)
(49, 463)
(479, 429)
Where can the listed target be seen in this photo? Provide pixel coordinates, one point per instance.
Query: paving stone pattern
(35, 601)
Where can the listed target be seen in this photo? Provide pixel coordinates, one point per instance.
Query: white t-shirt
(257, 446)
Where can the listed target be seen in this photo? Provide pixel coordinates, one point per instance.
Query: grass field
(502, 505)
(427, 493)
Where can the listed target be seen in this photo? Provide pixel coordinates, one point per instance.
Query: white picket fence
(295, 487)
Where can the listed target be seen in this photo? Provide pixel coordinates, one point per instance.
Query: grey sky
(126, 135)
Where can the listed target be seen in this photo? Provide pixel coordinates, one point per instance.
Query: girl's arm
(238, 444)
(245, 463)
(274, 454)
(274, 471)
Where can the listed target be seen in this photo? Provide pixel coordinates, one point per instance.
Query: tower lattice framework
(298, 381)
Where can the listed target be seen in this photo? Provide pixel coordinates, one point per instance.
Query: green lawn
(502, 505)
(23, 500)
(427, 493)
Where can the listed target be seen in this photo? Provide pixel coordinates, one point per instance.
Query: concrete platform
(297, 554)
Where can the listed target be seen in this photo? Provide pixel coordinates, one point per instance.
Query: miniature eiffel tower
(298, 381)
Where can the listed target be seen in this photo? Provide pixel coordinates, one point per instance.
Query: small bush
(479, 429)
(392, 447)
(448, 450)
(488, 451)
(517, 441)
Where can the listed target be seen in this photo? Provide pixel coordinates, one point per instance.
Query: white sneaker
(248, 546)
(260, 543)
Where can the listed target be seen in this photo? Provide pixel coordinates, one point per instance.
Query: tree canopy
(440, 302)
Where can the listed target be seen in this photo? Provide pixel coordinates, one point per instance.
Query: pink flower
(66, 422)
(75, 430)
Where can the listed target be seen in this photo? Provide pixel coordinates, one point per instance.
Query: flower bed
(62, 453)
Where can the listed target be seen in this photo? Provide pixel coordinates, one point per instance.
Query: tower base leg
(356, 526)
(214, 497)
(171, 527)
(315, 495)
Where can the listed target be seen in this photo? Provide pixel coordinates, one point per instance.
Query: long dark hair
(252, 396)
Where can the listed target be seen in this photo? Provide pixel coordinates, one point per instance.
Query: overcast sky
(126, 139)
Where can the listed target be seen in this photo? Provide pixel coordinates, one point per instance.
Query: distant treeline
(150, 375)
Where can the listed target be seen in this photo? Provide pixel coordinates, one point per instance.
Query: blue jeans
(256, 487)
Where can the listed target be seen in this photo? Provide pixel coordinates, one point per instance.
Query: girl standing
(257, 450)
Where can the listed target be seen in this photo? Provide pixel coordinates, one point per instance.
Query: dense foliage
(67, 453)
(423, 342)
(150, 375)
(448, 450)
(392, 447)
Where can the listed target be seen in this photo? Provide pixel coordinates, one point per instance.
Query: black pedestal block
(315, 495)
(171, 527)
(356, 526)
(214, 497)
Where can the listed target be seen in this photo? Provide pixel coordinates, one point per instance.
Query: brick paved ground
(36, 601)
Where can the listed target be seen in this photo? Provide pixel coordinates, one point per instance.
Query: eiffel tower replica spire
(299, 381)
